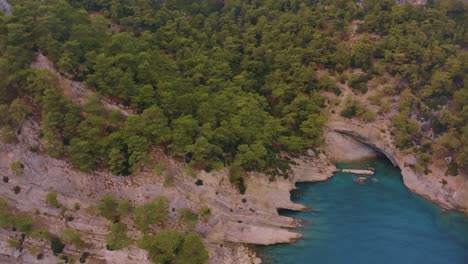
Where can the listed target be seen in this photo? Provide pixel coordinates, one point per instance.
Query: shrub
(368, 116)
(188, 217)
(8, 135)
(453, 169)
(108, 208)
(198, 182)
(152, 213)
(125, 207)
(17, 168)
(56, 245)
(117, 238)
(13, 243)
(236, 177)
(205, 212)
(73, 237)
(171, 246)
(349, 111)
(23, 223)
(51, 200)
(192, 251)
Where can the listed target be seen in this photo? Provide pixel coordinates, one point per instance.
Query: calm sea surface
(378, 222)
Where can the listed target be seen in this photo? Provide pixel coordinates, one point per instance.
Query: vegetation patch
(152, 213)
(170, 246)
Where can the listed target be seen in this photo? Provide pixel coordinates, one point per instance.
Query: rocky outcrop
(345, 148)
(412, 2)
(360, 172)
(448, 191)
(5, 7)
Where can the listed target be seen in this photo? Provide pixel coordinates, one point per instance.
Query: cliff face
(5, 7)
(449, 191)
(250, 218)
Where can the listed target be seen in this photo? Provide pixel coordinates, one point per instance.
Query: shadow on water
(379, 221)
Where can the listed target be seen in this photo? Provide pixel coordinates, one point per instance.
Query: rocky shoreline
(448, 191)
(236, 219)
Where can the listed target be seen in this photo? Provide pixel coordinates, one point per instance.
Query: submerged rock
(360, 179)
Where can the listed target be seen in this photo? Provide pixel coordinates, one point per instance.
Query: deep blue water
(374, 222)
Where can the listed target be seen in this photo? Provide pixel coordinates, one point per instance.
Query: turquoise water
(375, 222)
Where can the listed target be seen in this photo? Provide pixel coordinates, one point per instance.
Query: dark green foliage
(192, 251)
(453, 169)
(170, 246)
(84, 256)
(199, 182)
(222, 82)
(349, 111)
(56, 245)
(113, 210)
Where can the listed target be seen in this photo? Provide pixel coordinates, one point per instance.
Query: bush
(192, 251)
(368, 116)
(349, 111)
(17, 168)
(117, 238)
(8, 219)
(236, 177)
(359, 82)
(152, 213)
(205, 212)
(73, 237)
(198, 182)
(8, 135)
(51, 200)
(188, 217)
(108, 208)
(56, 245)
(452, 169)
(170, 246)
(125, 207)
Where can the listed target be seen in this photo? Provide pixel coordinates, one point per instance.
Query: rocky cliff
(5, 7)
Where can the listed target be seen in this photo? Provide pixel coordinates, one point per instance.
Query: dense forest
(229, 83)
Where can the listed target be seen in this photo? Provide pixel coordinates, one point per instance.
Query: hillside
(196, 118)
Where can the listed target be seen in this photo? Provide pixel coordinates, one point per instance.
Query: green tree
(192, 251)
(108, 208)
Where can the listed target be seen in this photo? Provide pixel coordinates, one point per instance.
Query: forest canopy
(231, 82)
